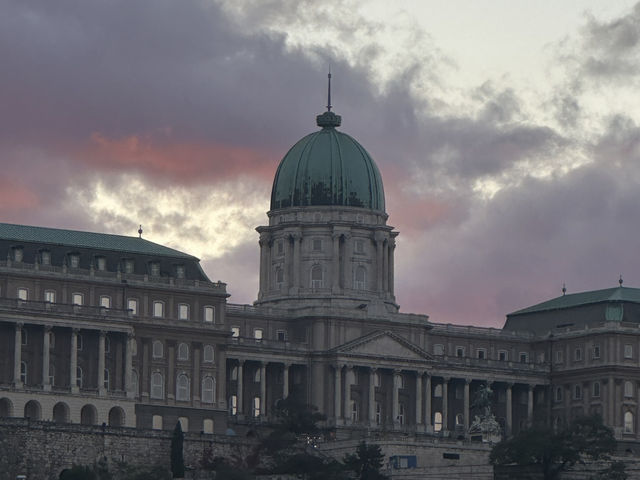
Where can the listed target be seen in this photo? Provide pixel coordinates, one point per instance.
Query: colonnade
(73, 359)
(240, 385)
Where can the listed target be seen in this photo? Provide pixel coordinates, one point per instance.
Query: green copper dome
(327, 168)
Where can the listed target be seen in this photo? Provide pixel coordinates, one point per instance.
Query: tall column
(445, 404)
(146, 369)
(17, 355)
(385, 267)
(285, 381)
(263, 389)
(347, 249)
(101, 342)
(240, 392)
(338, 393)
(379, 239)
(171, 372)
(509, 419)
(265, 271)
(467, 382)
(372, 396)
(427, 404)
(392, 248)
(297, 239)
(197, 380)
(418, 398)
(128, 366)
(611, 391)
(395, 410)
(530, 405)
(335, 283)
(46, 344)
(73, 361)
(348, 376)
(221, 389)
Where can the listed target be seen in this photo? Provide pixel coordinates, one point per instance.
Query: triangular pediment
(383, 344)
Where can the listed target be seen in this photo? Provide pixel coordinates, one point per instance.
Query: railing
(62, 308)
(271, 344)
(471, 330)
(238, 309)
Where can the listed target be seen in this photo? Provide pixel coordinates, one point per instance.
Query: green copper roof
(617, 294)
(74, 238)
(328, 168)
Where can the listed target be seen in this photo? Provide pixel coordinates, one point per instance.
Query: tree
(586, 438)
(177, 458)
(366, 462)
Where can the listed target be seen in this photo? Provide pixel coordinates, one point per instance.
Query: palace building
(107, 329)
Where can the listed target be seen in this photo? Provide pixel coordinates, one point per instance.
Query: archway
(116, 417)
(6, 407)
(61, 413)
(88, 415)
(32, 410)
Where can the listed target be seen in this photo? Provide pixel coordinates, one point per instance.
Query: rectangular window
(17, 254)
(628, 351)
(459, 352)
(105, 301)
(596, 351)
(235, 332)
(559, 356)
(577, 392)
(558, 394)
(50, 296)
(280, 247)
(77, 299)
(132, 305)
(482, 354)
(209, 314)
(257, 335)
(183, 311)
(158, 309)
(524, 357)
(74, 261)
(101, 263)
(317, 245)
(154, 269)
(359, 246)
(45, 257)
(179, 271)
(578, 354)
(23, 294)
(129, 266)
(503, 356)
(233, 405)
(596, 389)
(281, 335)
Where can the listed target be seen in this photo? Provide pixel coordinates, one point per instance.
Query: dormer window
(101, 263)
(45, 257)
(154, 269)
(74, 260)
(17, 254)
(179, 271)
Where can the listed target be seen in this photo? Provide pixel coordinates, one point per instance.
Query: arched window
(183, 311)
(182, 388)
(157, 385)
(437, 421)
(209, 354)
(158, 350)
(209, 314)
(208, 389)
(23, 372)
(79, 379)
(234, 373)
(628, 422)
(628, 389)
(183, 352)
(596, 389)
(158, 309)
(316, 277)
(437, 390)
(256, 375)
(376, 379)
(359, 280)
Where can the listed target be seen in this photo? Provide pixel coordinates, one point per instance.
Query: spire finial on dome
(564, 288)
(329, 90)
(620, 280)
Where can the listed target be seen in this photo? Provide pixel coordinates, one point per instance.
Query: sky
(507, 132)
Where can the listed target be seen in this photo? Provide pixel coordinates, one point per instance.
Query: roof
(616, 294)
(328, 167)
(78, 239)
